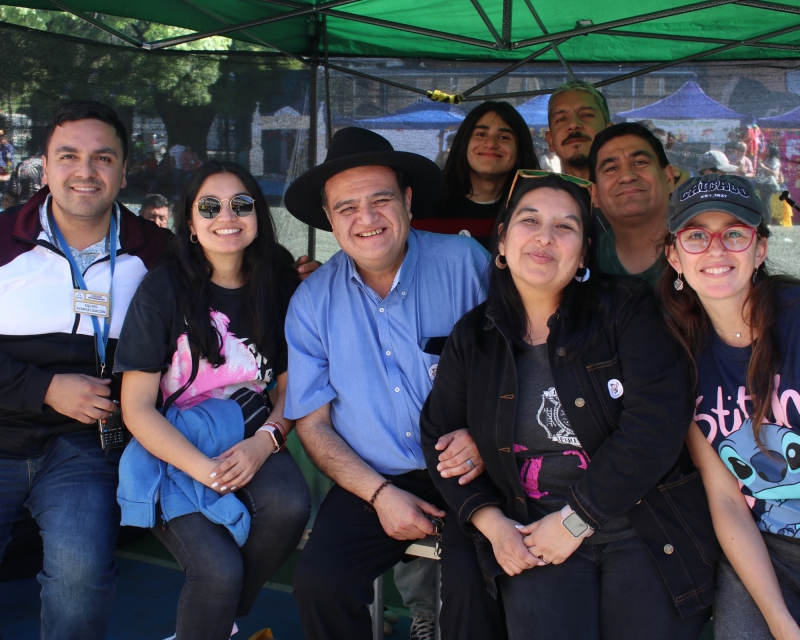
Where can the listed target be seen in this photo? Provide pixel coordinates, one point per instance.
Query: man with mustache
(576, 113)
(55, 257)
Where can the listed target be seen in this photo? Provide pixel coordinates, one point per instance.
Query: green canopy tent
(669, 33)
(515, 32)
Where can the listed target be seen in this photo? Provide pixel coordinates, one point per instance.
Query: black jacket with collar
(639, 465)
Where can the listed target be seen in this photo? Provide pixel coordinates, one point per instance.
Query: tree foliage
(187, 89)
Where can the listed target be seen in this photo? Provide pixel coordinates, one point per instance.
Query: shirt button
(403, 293)
(579, 402)
(388, 353)
(381, 309)
(561, 351)
(669, 549)
(408, 434)
(397, 389)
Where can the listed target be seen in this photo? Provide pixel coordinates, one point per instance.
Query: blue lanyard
(101, 338)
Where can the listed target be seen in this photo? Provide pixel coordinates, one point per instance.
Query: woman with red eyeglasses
(741, 328)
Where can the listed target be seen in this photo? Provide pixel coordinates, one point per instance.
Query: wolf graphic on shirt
(768, 478)
(553, 420)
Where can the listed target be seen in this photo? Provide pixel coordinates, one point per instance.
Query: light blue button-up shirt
(362, 354)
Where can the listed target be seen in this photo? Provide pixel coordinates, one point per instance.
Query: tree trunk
(186, 125)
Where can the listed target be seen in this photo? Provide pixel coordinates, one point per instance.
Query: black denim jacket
(639, 465)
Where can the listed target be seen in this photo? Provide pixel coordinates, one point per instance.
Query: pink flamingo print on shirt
(241, 369)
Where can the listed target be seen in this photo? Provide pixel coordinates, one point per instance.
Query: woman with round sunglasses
(740, 326)
(590, 518)
(206, 327)
(491, 143)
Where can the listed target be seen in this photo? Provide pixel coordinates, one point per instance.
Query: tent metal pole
(563, 60)
(250, 34)
(770, 6)
(743, 43)
(328, 116)
(699, 39)
(171, 42)
(507, 6)
(375, 22)
(488, 23)
(624, 22)
(696, 56)
(97, 23)
(503, 72)
(312, 124)
(367, 76)
(503, 96)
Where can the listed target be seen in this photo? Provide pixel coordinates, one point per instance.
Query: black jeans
(612, 591)
(223, 580)
(348, 549)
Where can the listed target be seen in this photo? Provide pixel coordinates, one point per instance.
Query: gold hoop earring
(193, 238)
(500, 264)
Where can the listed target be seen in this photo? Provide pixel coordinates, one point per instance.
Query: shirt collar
(44, 220)
(405, 274)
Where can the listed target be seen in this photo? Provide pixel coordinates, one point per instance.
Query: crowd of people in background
(583, 383)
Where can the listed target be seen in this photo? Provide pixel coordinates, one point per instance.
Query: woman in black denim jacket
(592, 447)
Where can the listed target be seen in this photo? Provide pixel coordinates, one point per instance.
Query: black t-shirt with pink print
(153, 339)
(550, 458)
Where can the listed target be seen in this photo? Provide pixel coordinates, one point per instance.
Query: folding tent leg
(437, 629)
(377, 609)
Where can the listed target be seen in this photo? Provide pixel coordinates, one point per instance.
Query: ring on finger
(470, 464)
(543, 560)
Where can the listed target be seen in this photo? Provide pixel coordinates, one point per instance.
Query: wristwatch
(574, 523)
(276, 433)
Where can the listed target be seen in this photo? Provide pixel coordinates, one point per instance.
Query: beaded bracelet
(375, 495)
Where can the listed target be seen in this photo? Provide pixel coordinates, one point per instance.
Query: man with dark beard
(576, 113)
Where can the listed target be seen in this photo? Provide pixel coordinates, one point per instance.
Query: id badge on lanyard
(95, 304)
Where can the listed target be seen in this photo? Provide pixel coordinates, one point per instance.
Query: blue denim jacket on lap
(213, 426)
(639, 465)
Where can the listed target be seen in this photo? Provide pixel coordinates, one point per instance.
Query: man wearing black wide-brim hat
(365, 332)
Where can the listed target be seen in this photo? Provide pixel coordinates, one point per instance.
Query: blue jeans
(223, 580)
(736, 615)
(612, 591)
(71, 492)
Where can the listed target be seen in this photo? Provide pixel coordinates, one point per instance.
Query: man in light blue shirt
(365, 332)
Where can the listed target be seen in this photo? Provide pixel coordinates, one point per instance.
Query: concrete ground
(783, 254)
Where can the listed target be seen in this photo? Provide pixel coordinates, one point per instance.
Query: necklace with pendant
(738, 333)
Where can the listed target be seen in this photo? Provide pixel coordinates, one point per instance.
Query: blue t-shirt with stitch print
(769, 480)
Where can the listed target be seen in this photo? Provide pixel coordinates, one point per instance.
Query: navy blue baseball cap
(714, 192)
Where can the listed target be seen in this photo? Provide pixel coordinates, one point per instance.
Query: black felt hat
(355, 147)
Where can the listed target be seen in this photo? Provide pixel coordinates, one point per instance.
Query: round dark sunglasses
(209, 207)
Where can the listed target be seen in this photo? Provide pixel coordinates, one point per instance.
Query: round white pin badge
(615, 388)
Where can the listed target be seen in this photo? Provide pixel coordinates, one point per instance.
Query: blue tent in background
(423, 114)
(687, 103)
(788, 120)
(534, 112)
